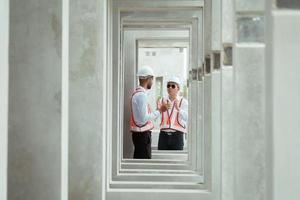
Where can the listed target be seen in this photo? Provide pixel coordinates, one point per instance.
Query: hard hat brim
(144, 77)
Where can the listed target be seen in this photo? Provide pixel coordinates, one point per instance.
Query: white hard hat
(175, 79)
(145, 72)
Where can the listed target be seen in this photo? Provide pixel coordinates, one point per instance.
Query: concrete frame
(4, 68)
(113, 192)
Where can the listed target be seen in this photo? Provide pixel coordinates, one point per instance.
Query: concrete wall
(243, 134)
(249, 112)
(167, 62)
(283, 81)
(249, 101)
(286, 107)
(35, 112)
(35, 115)
(227, 121)
(4, 37)
(34, 100)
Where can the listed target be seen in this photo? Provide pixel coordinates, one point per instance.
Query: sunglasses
(173, 86)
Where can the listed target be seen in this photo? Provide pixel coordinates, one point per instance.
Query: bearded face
(149, 83)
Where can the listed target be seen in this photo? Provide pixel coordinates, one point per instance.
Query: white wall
(4, 37)
(283, 82)
(168, 62)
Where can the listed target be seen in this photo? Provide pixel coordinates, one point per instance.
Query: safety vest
(133, 125)
(170, 120)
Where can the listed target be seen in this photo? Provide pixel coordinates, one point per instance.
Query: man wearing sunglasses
(174, 120)
(142, 116)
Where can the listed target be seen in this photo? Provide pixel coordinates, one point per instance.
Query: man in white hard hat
(173, 121)
(142, 116)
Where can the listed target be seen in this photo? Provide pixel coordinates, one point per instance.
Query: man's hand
(169, 105)
(163, 108)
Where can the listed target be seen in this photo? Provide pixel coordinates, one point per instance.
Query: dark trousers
(170, 140)
(142, 144)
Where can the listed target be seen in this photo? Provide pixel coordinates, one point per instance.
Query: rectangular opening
(140, 173)
(250, 29)
(217, 60)
(290, 4)
(207, 64)
(167, 59)
(227, 54)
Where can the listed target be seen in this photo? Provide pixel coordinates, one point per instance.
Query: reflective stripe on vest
(171, 120)
(133, 125)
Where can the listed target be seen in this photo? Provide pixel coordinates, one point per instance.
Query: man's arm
(183, 110)
(140, 109)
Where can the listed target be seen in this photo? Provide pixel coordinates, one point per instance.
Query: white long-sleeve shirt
(140, 108)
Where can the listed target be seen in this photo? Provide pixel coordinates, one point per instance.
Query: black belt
(171, 133)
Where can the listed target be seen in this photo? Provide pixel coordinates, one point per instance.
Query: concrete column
(65, 101)
(283, 97)
(87, 100)
(227, 17)
(249, 101)
(34, 143)
(207, 27)
(227, 115)
(249, 114)
(227, 134)
(4, 67)
(216, 25)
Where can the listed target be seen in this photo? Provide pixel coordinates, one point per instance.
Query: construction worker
(142, 116)
(173, 121)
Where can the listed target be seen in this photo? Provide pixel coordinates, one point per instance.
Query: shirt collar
(141, 88)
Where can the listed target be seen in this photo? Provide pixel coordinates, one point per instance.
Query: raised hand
(169, 105)
(163, 108)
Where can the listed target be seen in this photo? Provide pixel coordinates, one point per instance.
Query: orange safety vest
(171, 120)
(133, 125)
